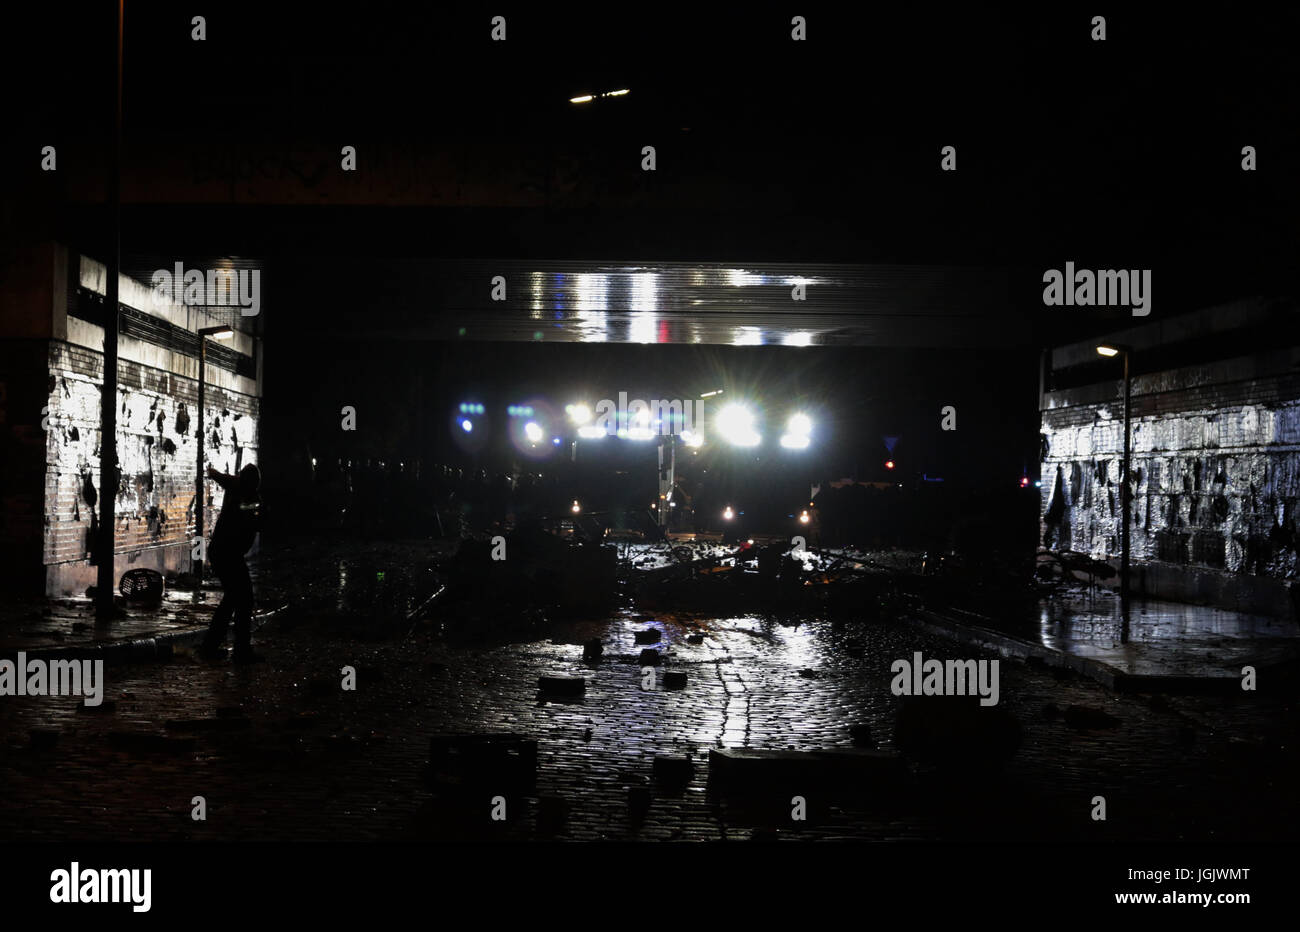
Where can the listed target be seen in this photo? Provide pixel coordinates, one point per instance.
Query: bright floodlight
(692, 438)
(728, 514)
(736, 425)
(640, 428)
(798, 429)
(803, 517)
(576, 507)
(583, 99)
(579, 413)
(591, 432)
(1107, 351)
(467, 425)
(533, 432)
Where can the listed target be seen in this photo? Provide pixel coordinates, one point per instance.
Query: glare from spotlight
(736, 425)
(467, 425)
(804, 518)
(576, 508)
(591, 432)
(728, 514)
(533, 432)
(579, 414)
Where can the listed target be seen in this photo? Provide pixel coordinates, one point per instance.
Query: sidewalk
(68, 627)
(341, 578)
(1168, 647)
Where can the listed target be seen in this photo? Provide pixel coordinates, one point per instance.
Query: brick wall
(157, 426)
(1215, 463)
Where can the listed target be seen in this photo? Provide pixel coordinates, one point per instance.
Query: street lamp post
(1125, 493)
(200, 487)
(106, 544)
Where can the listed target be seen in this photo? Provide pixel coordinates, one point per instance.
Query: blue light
(554, 440)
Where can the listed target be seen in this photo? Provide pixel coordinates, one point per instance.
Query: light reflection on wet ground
(1166, 638)
(315, 762)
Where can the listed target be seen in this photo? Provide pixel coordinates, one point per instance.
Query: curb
(157, 647)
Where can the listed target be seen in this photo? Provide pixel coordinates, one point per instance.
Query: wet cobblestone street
(279, 751)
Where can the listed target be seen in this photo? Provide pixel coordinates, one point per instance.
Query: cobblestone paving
(286, 754)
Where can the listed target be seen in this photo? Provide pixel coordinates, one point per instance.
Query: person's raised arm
(227, 482)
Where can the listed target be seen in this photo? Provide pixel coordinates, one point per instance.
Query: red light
(889, 464)
(1024, 481)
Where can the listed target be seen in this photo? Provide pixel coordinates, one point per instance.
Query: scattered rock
(856, 651)
(674, 679)
(650, 657)
(562, 685)
(861, 735)
(592, 650)
(810, 674)
(753, 770)
(649, 636)
(694, 639)
(674, 771)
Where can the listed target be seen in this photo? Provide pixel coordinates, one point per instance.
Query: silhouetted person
(237, 527)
